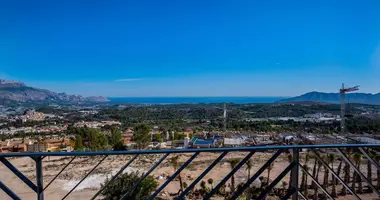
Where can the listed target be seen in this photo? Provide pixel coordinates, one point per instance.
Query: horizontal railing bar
(132, 152)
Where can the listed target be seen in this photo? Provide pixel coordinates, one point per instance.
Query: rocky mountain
(363, 98)
(14, 91)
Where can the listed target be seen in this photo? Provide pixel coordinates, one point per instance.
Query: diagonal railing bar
(9, 192)
(315, 181)
(302, 195)
(369, 158)
(229, 175)
(205, 172)
(335, 175)
(257, 174)
(56, 176)
(145, 175)
(84, 177)
(18, 174)
(289, 194)
(114, 177)
(174, 175)
(345, 158)
(278, 179)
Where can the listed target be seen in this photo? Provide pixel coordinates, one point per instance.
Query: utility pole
(225, 118)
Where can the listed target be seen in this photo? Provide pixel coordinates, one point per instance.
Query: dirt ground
(82, 165)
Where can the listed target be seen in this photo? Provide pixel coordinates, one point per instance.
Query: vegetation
(125, 182)
(92, 139)
(249, 165)
(174, 163)
(78, 143)
(141, 135)
(233, 162)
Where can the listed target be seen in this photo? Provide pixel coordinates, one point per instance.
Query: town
(49, 129)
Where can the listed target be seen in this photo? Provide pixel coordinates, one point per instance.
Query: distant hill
(362, 98)
(14, 91)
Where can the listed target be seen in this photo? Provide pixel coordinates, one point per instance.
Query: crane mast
(342, 92)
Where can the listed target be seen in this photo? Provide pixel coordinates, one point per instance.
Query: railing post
(295, 173)
(39, 177)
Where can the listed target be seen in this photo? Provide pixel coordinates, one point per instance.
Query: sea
(193, 100)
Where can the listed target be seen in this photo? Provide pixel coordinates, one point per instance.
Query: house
(58, 144)
(127, 136)
(37, 147)
(203, 143)
(233, 142)
(13, 146)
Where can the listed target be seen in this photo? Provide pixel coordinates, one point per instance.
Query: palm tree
(269, 169)
(369, 171)
(314, 186)
(347, 172)
(233, 163)
(331, 159)
(211, 181)
(174, 163)
(290, 160)
(326, 176)
(315, 195)
(304, 175)
(248, 167)
(339, 169)
(377, 158)
(306, 166)
(358, 159)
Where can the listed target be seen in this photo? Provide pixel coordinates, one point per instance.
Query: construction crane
(342, 92)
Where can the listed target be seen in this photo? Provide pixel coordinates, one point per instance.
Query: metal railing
(299, 157)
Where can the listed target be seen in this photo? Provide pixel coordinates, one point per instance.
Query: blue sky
(191, 48)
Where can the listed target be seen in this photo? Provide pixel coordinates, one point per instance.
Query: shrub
(125, 182)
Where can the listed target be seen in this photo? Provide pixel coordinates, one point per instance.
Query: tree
(141, 135)
(233, 162)
(211, 182)
(269, 169)
(369, 171)
(115, 136)
(158, 138)
(92, 138)
(347, 172)
(119, 146)
(304, 175)
(290, 160)
(314, 186)
(120, 186)
(78, 143)
(174, 163)
(377, 158)
(315, 195)
(339, 171)
(249, 165)
(331, 159)
(358, 159)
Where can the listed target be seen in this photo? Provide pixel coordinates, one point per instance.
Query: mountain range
(322, 97)
(14, 91)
